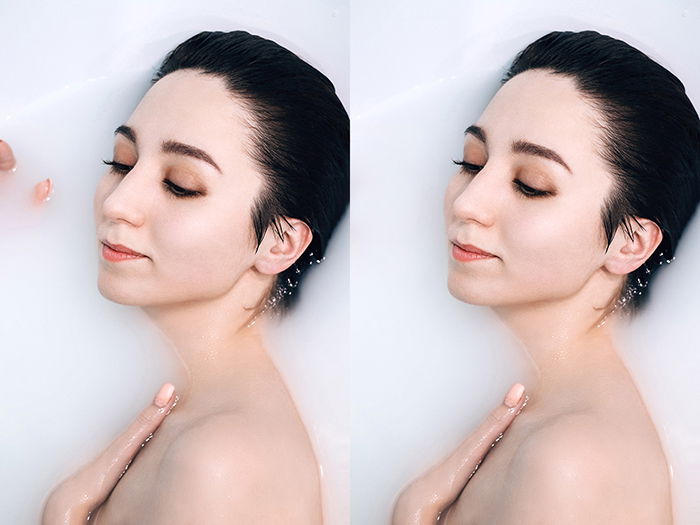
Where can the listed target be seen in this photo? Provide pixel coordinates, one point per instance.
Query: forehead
(196, 109)
(546, 109)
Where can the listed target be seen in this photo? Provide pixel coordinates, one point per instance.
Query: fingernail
(514, 395)
(164, 394)
(43, 191)
(7, 158)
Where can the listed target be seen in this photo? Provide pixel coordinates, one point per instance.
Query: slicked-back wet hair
(650, 137)
(300, 136)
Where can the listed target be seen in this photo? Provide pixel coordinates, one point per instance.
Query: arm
(425, 498)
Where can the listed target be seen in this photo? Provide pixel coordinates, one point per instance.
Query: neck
(566, 342)
(216, 342)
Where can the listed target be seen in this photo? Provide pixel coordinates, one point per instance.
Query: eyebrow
(522, 146)
(171, 146)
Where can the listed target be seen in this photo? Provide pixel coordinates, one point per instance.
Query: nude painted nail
(7, 158)
(514, 395)
(164, 395)
(43, 191)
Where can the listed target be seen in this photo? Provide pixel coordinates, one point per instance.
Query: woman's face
(546, 245)
(183, 197)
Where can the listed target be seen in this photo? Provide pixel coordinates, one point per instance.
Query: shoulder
(233, 468)
(581, 468)
(573, 448)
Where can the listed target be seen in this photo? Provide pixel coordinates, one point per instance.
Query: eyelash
(174, 189)
(521, 187)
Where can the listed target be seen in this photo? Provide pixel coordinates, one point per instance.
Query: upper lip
(122, 248)
(473, 249)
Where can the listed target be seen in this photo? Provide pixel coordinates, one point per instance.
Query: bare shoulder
(588, 468)
(230, 468)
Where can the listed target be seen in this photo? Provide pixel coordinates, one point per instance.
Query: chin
(461, 290)
(118, 293)
(115, 296)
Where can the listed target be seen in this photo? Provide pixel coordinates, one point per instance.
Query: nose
(125, 198)
(477, 197)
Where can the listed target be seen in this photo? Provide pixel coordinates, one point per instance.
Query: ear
(275, 254)
(626, 255)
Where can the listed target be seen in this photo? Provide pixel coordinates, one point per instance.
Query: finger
(7, 158)
(447, 479)
(43, 191)
(104, 472)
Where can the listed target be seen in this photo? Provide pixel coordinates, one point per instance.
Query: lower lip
(115, 256)
(465, 256)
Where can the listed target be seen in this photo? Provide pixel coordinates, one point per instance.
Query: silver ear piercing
(634, 289)
(286, 289)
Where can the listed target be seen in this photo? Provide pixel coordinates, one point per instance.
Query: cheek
(204, 248)
(562, 245)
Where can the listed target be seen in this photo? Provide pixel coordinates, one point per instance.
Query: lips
(123, 249)
(473, 249)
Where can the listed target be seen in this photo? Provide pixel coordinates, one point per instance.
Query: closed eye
(522, 188)
(123, 169)
(171, 187)
(527, 191)
(467, 167)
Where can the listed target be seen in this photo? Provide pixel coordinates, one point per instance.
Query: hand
(75, 498)
(425, 498)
